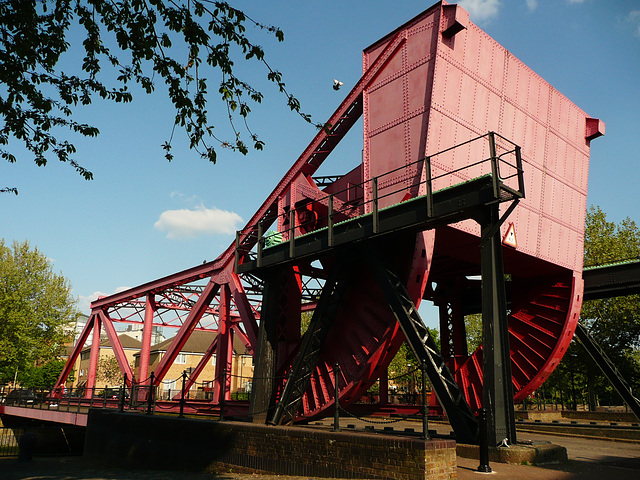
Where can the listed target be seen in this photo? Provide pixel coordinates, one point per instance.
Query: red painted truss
(435, 82)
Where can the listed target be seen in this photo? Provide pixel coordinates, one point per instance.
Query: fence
(201, 398)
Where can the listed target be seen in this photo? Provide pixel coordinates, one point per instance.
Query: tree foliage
(109, 371)
(36, 308)
(41, 377)
(473, 330)
(614, 322)
(404, 370)
(189, 45)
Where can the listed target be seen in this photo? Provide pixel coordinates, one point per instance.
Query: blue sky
(142, 218)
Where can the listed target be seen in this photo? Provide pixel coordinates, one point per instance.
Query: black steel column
(497, 381)
(265, 359)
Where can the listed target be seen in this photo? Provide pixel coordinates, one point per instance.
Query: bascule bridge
(471, 194)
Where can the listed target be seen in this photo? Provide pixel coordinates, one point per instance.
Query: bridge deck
(447, 206)
(614, 280)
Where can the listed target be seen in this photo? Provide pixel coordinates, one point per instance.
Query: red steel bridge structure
(454, 127)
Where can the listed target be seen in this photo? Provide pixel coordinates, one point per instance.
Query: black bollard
(336, 414)
(184, 380)
(150, 396)
(484, 445)
(425, 405)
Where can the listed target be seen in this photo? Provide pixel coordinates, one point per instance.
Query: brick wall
(136, 440)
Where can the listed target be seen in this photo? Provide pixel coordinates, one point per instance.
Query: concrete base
(133, 440)
(537, 453)
(45, 438)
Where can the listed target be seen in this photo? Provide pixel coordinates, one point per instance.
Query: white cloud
(181, 196)
(634, 18)
(576, 1)
(186, 223)
(532, 4)
(84, 302)
(481, 10)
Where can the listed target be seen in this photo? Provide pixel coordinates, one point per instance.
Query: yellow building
(108, 373)
(189, 358)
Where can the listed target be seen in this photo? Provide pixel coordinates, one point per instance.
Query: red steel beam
(185, 331)
(224, 353)
(82, 339)
(145, 350)
(116, 345)
(206, 270)
(93, 360)
(247, 317)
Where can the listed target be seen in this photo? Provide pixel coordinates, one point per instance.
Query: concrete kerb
(586, 432)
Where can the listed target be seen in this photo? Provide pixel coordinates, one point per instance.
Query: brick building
(106, 362)
(189, 358)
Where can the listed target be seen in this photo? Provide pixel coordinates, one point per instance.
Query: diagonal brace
(462, 420)
(608, 368)
(314, 338)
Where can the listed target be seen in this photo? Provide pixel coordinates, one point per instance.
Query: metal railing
(145, 395)
(498, 157)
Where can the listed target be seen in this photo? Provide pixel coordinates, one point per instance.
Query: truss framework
(191, 299)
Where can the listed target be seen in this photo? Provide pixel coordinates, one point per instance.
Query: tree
(182, 43)
(473, 330)
(613, 322)
(109, 371)
(41, 377)
(36, 308)
(404, 370)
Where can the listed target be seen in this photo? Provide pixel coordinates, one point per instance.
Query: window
(181, 359)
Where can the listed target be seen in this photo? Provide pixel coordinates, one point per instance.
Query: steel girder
(451, 398)
(145, 350)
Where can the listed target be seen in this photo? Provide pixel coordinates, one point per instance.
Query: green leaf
(123, 43)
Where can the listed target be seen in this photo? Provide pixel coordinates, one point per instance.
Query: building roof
(128, 343)
(199, 342)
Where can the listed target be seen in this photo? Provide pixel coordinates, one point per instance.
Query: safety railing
(147, 395)
(498, 157)
(62, 399)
